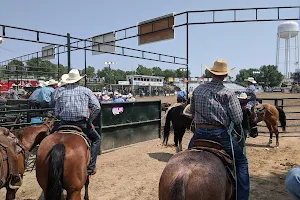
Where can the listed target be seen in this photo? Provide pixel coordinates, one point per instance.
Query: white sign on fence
(48, 52)
(109, 46)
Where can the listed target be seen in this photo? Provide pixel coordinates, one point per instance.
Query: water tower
(289, 32)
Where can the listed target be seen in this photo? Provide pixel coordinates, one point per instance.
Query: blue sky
(243, 45)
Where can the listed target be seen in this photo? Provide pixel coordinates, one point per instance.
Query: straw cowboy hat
(41, 84)
(51, 82)
(242, 96)
(62, 82)
(72, 77)
(250, 79)
(220, 68)
(106, 97)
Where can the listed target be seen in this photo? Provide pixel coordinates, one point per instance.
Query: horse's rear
(61, 163)
(195, 175)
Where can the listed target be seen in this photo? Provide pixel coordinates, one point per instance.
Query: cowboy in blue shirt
(251, 91)
(44, 97)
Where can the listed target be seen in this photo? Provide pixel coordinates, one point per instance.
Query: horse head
(33, 135)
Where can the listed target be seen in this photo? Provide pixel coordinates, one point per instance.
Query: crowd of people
(116, 97)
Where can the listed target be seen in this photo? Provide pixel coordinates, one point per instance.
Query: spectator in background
(12, 92)
(130, 98)
(118, 98)
(44, 97)
(106, 99)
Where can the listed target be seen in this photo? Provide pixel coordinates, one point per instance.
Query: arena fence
(120, 124)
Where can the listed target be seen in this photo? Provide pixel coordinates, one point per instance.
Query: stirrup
(14, 187)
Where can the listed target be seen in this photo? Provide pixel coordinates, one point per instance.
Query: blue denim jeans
(92, 134)
(292, 183)
(221, 136)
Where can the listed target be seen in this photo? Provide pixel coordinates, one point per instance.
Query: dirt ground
(133, 173)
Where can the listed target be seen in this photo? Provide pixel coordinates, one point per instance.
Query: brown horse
(61, 163)
(27, 139)
(195, 175)
(271, 115)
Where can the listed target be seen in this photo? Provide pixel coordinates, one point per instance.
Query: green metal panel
(140, 121)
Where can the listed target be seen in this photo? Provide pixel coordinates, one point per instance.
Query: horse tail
(167, 127)
(55, 172)
(282, 118)
(179, 184)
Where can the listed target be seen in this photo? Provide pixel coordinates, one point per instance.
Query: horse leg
(180, 138)
(271, 132)
(275, 129)
(73, 195)
(176, 139)
(10, 193)
(86, 185)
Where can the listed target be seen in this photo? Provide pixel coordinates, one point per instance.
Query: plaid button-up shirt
(73, 103)
(214, 104)
(54, 95)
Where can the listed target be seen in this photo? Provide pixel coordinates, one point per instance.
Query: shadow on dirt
(161, 156)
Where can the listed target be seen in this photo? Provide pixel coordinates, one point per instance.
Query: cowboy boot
(16, 180)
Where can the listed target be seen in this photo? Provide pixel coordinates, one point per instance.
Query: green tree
(206, 74)
(157, 71)
(90, 72)
(39, 67)
(141, 70)
(269, 76)
(169, 73)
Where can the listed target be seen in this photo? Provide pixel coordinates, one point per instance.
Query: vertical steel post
(187, 53)
(58, 71)
(69, 51)
(85, 78)
(37, 62)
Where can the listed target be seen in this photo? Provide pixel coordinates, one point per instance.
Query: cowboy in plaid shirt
(214, 107)
(72, 107)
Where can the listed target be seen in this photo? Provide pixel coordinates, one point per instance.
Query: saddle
(216, 149)
(9, 145)
(76, 130)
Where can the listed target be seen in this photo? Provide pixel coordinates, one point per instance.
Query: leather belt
(208, 126)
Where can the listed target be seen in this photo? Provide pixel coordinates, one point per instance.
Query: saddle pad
(81, 134)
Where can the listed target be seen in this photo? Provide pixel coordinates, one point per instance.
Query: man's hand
(90, 126)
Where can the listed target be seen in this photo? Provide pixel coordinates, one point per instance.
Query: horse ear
(46, 121)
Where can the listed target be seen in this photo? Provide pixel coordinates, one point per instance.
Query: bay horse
(201, 175)
(27, 138)
(271, 115)
(61, 163)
